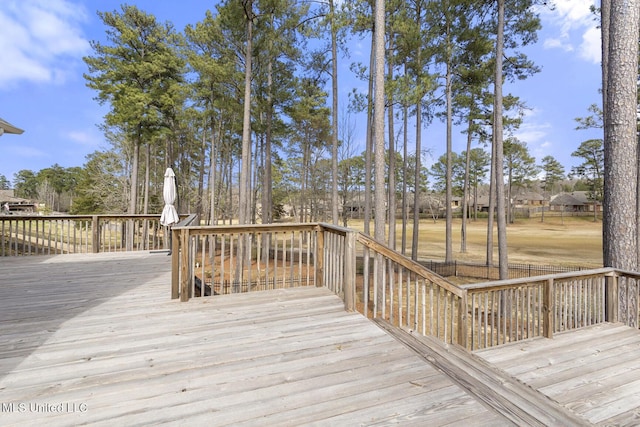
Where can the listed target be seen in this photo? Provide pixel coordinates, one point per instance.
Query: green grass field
(572, 241)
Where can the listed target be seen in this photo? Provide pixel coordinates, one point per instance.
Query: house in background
(15, 204)
(528, 199)
(576, 201)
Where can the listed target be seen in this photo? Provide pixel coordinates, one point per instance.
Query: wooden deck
(594, 372)
(95, 339)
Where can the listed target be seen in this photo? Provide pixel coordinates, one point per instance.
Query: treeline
(178, 98)
(71, 190)
(244, 105)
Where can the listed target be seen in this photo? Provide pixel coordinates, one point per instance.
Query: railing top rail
(410, 264)
(14, 216)
(186, 221)
(336, 228)
(626, 273)
(501, 284)
(242, 228)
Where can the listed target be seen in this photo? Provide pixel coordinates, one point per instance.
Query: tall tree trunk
(267, 179)
(509, 200)
(244, 194)
(147, 178)
(392, 169)
(500, 200)
(417, 172)
(133, 200)
(147, 186)
(620, 219)
(201, 173)
(369, 148)
(256, 176)
(405, 196)
(416, 195)
(492, 201)
(334, 112)
(378, 109)
(465, 196)
(212, 177)
(245, 173)
(448, 185)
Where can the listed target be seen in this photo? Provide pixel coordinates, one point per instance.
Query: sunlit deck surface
(594, 372)
(96, 339)
(101, 331)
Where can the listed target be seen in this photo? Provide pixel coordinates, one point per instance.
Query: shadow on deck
(38, 295)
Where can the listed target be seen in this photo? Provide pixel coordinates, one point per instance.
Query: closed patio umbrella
(169, 192)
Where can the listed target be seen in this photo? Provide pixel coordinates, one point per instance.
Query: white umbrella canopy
(169, 213)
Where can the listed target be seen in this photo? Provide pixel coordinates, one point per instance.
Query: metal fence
(487, 272)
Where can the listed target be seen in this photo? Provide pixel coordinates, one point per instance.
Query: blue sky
(42, 89)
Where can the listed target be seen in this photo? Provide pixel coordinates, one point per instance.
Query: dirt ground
(569, 241)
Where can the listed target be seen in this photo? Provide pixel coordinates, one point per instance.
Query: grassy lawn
(571, 241)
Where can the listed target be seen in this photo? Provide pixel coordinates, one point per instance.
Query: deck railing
(408, 295)
(381, 283)
(506, 311)
(213, 260)
(370, 277)
(366, 274)
(66, 234)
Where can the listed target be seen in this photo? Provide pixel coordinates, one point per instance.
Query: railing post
(320, 257)
(349, 279)
(611, 298)
(462, 320)
(175, 263)
(185, 280)
(547, 309)
(95, 234)
(129, 239)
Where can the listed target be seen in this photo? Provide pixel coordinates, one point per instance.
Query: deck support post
(462, 320)
(319, 257)
(175, 263)
(547, 309)
(349, 279)
(611, 298)
(185, 264)
(95, 234)
(129, 236)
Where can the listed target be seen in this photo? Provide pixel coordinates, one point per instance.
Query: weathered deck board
(595, 371)
(101, 331)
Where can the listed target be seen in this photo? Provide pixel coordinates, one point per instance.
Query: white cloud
(572, 27)
(40, 40)
(535, 133)
(591, 47)
(82, 138)
(557, 43)
(532, 134)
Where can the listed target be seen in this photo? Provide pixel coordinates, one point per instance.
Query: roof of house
(529, 195)
(7, 127)
(575, 198)
(8, 196)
